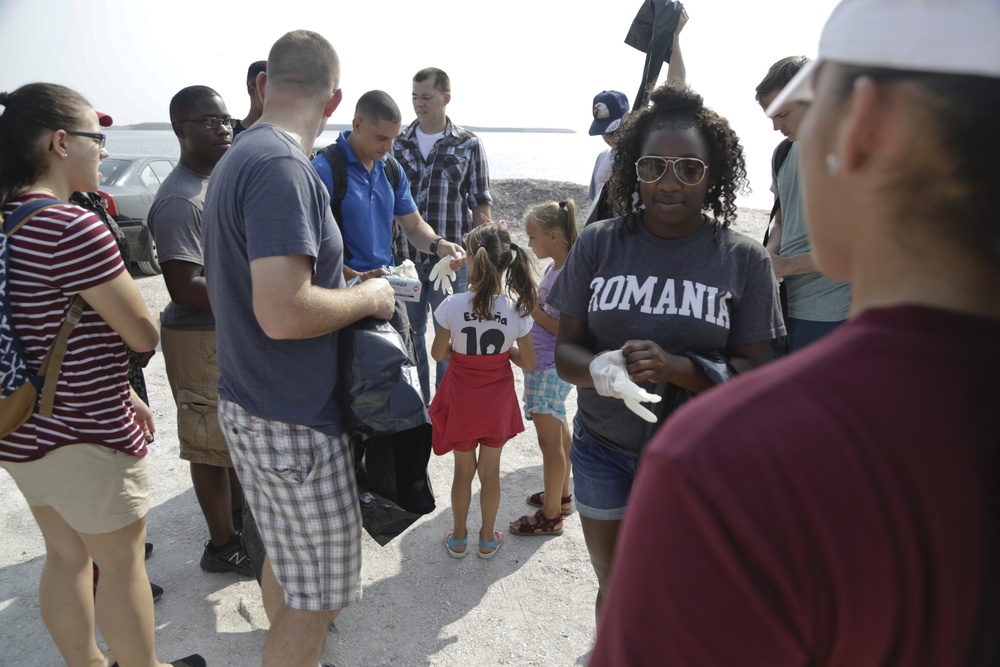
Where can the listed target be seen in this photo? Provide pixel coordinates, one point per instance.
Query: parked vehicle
(128, 187)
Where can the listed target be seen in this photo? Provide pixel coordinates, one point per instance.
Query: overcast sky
(513, 63)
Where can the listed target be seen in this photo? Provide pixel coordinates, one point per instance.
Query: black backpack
(338, 164)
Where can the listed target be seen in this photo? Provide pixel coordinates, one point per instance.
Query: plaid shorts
(302, 490)
(545, 392)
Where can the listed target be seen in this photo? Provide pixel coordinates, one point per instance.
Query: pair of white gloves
(611, 379)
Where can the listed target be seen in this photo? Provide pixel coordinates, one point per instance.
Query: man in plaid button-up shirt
(449, 177)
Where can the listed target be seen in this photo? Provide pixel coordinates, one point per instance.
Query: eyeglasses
(211, 122)
(688, 170)
(101, 138)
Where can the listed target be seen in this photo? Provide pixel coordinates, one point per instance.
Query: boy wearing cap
(816, 304)
(610, 109)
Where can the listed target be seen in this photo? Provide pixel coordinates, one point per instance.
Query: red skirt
(476, 399)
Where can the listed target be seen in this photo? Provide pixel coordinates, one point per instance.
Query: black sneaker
(229, 558)
(156, 590)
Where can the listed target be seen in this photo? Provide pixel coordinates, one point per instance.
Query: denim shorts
(602, 478)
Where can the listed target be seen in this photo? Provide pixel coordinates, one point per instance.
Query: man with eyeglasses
(450, 181)
(816, 305)
(204, 130)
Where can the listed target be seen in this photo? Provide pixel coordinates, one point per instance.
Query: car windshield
(110, 169)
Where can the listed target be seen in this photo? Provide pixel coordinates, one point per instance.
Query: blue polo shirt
(368, 208)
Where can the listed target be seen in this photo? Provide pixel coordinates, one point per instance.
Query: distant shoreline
(339, 128)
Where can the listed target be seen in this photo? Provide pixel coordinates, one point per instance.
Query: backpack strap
(25, 212)
(338, 165)
(780, 155)
(52, 363)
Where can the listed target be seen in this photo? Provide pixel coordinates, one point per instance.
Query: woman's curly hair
(674, 107)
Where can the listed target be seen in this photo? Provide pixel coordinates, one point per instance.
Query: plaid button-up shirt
(453, 179)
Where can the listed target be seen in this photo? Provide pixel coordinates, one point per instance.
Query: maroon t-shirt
(828, 510)
(57, 254)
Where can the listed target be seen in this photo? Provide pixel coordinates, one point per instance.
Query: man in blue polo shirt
(371, 201)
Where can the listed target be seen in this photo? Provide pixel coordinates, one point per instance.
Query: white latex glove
(611, 379)
(407, 270)
(442, 274)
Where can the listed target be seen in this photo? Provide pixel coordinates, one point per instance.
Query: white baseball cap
(942, 36)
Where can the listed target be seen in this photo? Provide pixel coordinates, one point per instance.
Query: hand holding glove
(442, 274)
(611, 379)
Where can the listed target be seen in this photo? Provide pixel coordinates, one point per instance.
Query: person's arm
(646, 361)
(186, 284)
(481, 214)
(350, 274)
(774, 233)
(574, 351)
(420, 234)
(676, 72)
(523, 353)
(441, 347)
(546, 320)
(793, 265)
(120, 304)
(288, 306)
(143, 415)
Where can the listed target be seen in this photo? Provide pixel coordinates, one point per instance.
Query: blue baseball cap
(610, 109)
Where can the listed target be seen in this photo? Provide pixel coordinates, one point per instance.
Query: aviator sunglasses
(688, 170)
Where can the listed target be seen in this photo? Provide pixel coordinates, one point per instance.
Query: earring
(832, 164)
(65, 154)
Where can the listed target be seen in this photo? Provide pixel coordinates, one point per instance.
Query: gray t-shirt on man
(175, 222)
(266, 200)
(702, 293)
(811, 296)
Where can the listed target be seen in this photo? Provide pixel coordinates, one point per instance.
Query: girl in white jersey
(483, 330)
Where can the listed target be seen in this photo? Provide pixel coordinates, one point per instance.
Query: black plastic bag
(393, 485)
(652, 32)
(379, 385)
(717, 367)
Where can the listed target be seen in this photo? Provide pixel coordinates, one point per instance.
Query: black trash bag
(394, 489)
(396, 468)
(652, 32)
(379, 386)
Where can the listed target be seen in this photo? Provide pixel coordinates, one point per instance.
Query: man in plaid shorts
(274, 267)
(448, 174)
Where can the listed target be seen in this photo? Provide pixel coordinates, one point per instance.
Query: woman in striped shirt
(82, 470)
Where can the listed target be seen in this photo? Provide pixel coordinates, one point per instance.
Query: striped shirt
(60, 252)
(453, 179)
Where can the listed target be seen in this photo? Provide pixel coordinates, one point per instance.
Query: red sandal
(538, 500)
(542, 525)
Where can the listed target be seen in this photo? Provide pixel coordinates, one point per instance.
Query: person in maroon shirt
(82, 470)
(839, 507)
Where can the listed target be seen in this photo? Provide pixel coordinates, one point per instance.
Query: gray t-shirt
(175, 221)
(699, 294)
(811, 296)
(266, 200)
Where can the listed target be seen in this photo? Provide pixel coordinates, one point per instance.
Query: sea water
(555, 156)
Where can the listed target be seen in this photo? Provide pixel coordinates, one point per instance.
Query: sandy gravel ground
(531, 605)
